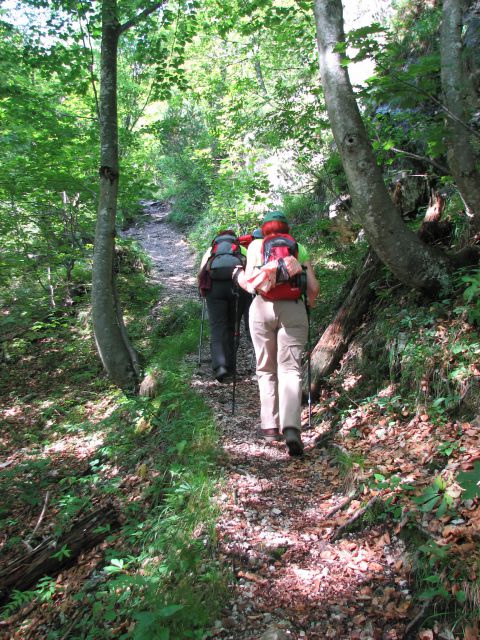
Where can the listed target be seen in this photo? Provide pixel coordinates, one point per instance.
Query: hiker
(225, 301)
(279, 325)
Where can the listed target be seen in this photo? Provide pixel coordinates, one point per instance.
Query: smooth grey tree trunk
(115, 350)
(112, 342)
(462, 158)
(413, 262)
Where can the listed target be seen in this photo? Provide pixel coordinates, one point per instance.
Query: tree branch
(431, 97)
(92, 62)
(141, 16)
(435, 164)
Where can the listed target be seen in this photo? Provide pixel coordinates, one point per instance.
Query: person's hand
(236, 272)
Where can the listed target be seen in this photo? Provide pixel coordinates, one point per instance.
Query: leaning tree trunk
(462, 158)
(335, 339)
(397, 246)
(112, 342)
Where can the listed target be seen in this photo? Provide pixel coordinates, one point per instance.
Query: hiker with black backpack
(279, 272)
(225, 302)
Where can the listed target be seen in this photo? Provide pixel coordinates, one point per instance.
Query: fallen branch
(356, 516)
(342, 504)
(22, 613)
(39, 521)
(26, 570)
(418, 618)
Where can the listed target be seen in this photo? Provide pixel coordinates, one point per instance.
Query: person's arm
(201, 271)
(312, 284)
(206, 256)
(240, 275)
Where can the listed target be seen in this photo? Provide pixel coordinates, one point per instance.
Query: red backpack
(246, 240)
(277, 247)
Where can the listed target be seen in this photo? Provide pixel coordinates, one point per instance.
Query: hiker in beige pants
(279, 333)
(279, 330)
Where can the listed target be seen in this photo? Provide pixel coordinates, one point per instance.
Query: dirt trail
(172, 259)
(289, 580)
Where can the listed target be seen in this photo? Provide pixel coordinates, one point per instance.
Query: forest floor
(306, 559)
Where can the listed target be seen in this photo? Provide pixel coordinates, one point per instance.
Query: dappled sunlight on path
(289, 579)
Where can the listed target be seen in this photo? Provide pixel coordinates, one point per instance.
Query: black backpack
(225, 256)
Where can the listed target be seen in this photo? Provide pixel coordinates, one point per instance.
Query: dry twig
(358, 514)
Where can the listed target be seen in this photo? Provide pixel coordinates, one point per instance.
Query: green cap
(275, 215)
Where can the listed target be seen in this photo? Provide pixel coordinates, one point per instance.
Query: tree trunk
(335, 339)
(462, 158)
(85, 534)
(112, 344)
(413, 262)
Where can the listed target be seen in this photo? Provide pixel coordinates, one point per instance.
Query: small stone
(276, 511)
(229, 622)
(274, 633)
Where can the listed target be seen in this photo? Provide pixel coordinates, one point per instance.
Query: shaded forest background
(221, 115)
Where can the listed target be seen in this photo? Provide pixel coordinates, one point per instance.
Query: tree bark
(335, 339)
(85, 534)
(112, 343)
(462, 157)
(399, 248)
(258, 68)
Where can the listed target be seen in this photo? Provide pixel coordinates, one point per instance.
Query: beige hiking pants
(279, 332)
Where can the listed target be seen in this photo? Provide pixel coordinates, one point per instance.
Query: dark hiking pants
(222, 306)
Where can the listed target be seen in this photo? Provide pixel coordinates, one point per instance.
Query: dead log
(26, 570)
(434, 230)
(335, 339)
(356, 516)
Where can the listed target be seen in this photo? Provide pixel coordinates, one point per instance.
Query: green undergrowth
(77, 444)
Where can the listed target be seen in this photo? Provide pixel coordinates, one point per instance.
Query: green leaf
(426, 496)
(461, 596)
(430, 505)
(340, 47)
(167, 612)
(442, 507)
(469, 481)
(435, 579)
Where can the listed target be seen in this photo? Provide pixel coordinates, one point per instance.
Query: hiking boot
(270, 435)
(293, 441)
(221, 373)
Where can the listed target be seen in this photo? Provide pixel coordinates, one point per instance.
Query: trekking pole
(309, 365)
(204, 306)
(236, 340)
(303, 286)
